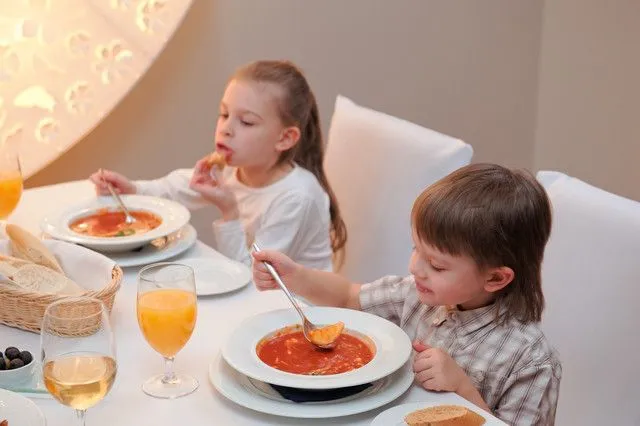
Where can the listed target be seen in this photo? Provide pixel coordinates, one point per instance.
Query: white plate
(395, 416)
(260, 397)
(217, 275)
(19, 411)
(393, 347)
(174, 217)
(178, 243)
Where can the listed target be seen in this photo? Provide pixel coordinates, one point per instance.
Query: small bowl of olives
(16, 367)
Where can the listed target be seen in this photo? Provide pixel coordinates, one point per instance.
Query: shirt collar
(468, 321)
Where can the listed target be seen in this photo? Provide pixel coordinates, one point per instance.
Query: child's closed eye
(437, 268)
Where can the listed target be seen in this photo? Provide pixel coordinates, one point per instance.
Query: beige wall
(461, 67)
(589, 102)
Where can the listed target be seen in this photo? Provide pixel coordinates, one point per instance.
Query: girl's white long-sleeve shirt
(290, 215)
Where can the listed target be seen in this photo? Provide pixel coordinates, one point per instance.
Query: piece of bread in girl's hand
(444, 415)
(218, 160)
(28, 247)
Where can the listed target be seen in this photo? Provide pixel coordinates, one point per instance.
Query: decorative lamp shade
(65, 64)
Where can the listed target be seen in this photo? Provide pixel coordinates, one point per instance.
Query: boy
(473, 301)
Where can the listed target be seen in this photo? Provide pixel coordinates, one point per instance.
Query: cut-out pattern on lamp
(64, 64)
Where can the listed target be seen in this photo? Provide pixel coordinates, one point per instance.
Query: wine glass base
(181, 386)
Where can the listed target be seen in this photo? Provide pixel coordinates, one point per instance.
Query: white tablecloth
(126, 404)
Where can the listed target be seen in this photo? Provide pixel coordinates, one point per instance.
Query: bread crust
(218, 160)
(444, 415)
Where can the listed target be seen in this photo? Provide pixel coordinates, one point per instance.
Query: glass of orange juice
(78, 353)
(10, 182)
(167, 313)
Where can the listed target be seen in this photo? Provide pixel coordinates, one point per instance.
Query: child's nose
(225, 129)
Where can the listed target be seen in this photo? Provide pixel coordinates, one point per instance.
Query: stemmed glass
(10, 182)
(167, 311)
(78, 353)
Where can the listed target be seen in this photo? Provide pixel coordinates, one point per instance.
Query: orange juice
(167, 318)
(10, 192)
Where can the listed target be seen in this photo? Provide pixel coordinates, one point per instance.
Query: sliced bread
(13, 261)
(27, 246)
(40, 279)
(444, 415)
(7, 269)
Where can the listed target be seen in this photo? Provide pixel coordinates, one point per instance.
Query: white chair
(591, 281)
(377, 165)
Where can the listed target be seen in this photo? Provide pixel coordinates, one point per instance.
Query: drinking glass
(167, 311)
(78, 353)
(10, 182)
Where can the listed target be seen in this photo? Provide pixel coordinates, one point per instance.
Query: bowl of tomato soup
(99, 224)
(288, 350)
(270, 347)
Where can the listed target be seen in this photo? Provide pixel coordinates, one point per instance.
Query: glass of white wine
(78, 353)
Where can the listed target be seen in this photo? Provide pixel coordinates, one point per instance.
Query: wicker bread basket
(93, 271)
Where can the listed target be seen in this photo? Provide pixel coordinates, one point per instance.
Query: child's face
(249, 128)
(443, 279)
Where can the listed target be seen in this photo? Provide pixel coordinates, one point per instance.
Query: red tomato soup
(107, 223)
(289, 351)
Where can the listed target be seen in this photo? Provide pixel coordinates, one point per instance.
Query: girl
(473, 300)
(274, 189)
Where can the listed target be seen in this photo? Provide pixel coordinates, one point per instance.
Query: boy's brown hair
(498, 217)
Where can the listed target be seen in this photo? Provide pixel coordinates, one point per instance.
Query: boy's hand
(436, 370)
(286, 268)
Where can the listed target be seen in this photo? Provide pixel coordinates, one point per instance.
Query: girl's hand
(120, 184)
(211, 187)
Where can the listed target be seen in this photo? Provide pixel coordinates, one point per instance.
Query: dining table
(218, 316)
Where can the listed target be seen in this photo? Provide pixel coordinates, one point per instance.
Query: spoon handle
(115, 195)
(284, 288)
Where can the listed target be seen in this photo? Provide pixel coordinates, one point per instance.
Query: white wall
(461, 67)
(589, 101)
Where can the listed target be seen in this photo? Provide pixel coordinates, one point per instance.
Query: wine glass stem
(81, 415)
(169, 375)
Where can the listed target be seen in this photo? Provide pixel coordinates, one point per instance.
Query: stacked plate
(18, 410)
(240, 375)
(172, 236)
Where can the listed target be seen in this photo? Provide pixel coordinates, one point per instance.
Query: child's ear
(288, 138)
(498, 278)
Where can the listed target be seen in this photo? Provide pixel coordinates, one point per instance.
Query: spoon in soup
(323, 337)
(128, 218)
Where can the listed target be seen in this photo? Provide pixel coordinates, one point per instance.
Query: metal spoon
(128, 218)
(307, 326)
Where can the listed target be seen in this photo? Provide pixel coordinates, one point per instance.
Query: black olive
(26, 357)
(11, 353)
(16, 363)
